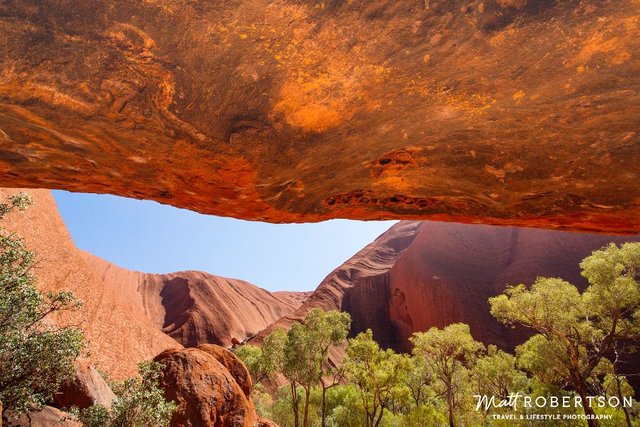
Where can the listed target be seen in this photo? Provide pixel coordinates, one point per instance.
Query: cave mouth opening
(151, 237)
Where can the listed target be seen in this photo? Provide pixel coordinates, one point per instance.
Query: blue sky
(155, 238)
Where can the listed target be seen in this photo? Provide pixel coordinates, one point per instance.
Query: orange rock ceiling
(521, 112)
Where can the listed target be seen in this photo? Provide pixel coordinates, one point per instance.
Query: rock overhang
(513, 112)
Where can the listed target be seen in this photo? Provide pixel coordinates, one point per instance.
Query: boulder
(46, 417)
(86, 389)
(204, 390)
(234, 365)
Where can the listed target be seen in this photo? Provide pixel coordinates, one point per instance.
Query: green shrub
(140, 402)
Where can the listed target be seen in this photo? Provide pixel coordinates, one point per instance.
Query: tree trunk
(450, 402)
(305, 420)
(588, 411)
(624, 408)
(377, 424)
(294, 404)
(324, 406)
(371, 416)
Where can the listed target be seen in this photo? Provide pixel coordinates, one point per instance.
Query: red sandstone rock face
(423, 274)
(295, 299)
(196, 308)
(88, 388)
(204, 390)
(119, 333)
(507, 112)
(449, 271)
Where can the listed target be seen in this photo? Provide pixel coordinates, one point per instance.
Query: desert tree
(448, 353)
(576, 331)
(376, 373)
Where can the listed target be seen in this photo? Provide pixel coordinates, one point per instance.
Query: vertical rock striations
(423, 274)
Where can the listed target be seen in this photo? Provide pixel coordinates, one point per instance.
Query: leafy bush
(140, 402)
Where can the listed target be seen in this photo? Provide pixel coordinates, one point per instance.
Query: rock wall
(201, 308)
(195, 307)
(423, 274)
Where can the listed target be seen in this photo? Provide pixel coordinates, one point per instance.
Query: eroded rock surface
(234, 365)
(506, 112)
(46, 417)
(195, 307)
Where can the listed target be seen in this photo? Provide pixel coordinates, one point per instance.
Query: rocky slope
(450, 270)
(422, 274)
(196, 308)
(126, 312)
(513, 112)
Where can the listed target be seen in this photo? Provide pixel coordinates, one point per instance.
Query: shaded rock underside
(520, 112)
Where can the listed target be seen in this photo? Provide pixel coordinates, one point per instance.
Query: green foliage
(35, 356)
(495, 374)
(273, 350)
(344, 407)
(307, 347)
(263, 401)
(575, 332)
(254, 360)
(423, 415)
(448, 353)
(19, 201)
(140, 402)
(301, 355)
(93, 416)
(613, 296)
(282, 411)
(542, 357)
(376, 373)
(549, 306)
